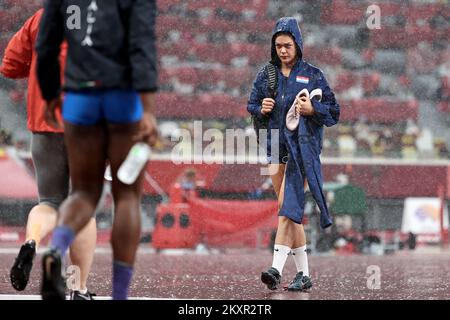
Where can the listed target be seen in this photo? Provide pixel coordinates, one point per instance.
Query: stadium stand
(210, 52)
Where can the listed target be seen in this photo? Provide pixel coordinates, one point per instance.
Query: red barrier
(225, 216)
(233, 223)
(175, 227)
(188, 220)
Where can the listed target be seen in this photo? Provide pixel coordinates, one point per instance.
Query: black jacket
(111, 44)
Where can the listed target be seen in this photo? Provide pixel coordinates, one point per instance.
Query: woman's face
(286, 49)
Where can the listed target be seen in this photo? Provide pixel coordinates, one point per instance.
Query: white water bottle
(134, 163)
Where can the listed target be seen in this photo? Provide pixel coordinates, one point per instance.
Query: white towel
(292, 118)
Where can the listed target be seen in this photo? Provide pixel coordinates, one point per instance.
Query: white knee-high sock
(280, 254)
(301, 259)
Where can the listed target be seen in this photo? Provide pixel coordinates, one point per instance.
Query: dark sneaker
(20, 271)
(271, 278)
(53, 286)
(300, 283)
(77, 295)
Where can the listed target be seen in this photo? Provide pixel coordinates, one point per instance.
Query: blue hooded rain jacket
(304, 144)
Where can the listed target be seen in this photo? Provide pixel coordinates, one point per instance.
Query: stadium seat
(342, 12)
(370, 82)
(344, 81)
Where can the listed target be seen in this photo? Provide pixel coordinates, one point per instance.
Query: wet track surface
(235, 274)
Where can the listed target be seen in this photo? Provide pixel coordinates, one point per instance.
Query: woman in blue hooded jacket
(293, 153)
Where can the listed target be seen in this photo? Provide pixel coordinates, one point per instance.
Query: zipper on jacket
(284, 88)
(283, 93)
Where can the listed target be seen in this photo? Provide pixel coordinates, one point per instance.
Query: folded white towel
(292, 118)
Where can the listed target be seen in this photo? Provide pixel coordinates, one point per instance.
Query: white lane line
(97, 250)
(106, 250)
(38, 297)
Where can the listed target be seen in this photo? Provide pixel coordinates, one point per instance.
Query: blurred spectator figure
(371, 243)
(411, 241)
(379, 147)
(363, 137)
(424, 143)
(411, 128)
(443, 95)
(190, 182)
(346, 142)
(326, 240)
(408, 147)
(440, 149)
(388, 141)
(5, 138)
(412, 131)
(342, 178)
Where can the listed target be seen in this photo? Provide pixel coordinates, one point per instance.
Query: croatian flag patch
(302, 79)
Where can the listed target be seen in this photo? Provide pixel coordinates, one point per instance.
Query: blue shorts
(92, 107)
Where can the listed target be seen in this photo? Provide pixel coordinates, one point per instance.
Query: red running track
(234, 274)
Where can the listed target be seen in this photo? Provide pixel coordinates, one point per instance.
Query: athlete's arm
(48, 46)
(50, 37)
(148, 129)
(142, 47)
(142, 51)
(18, 54)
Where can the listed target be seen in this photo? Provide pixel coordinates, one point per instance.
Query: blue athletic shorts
(92, 107)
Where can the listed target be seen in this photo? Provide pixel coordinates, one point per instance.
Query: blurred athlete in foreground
(110, 80)
(51, 166)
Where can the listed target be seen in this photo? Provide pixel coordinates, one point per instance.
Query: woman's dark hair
(275, 60)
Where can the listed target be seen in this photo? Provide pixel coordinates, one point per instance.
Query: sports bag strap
(272, 76)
